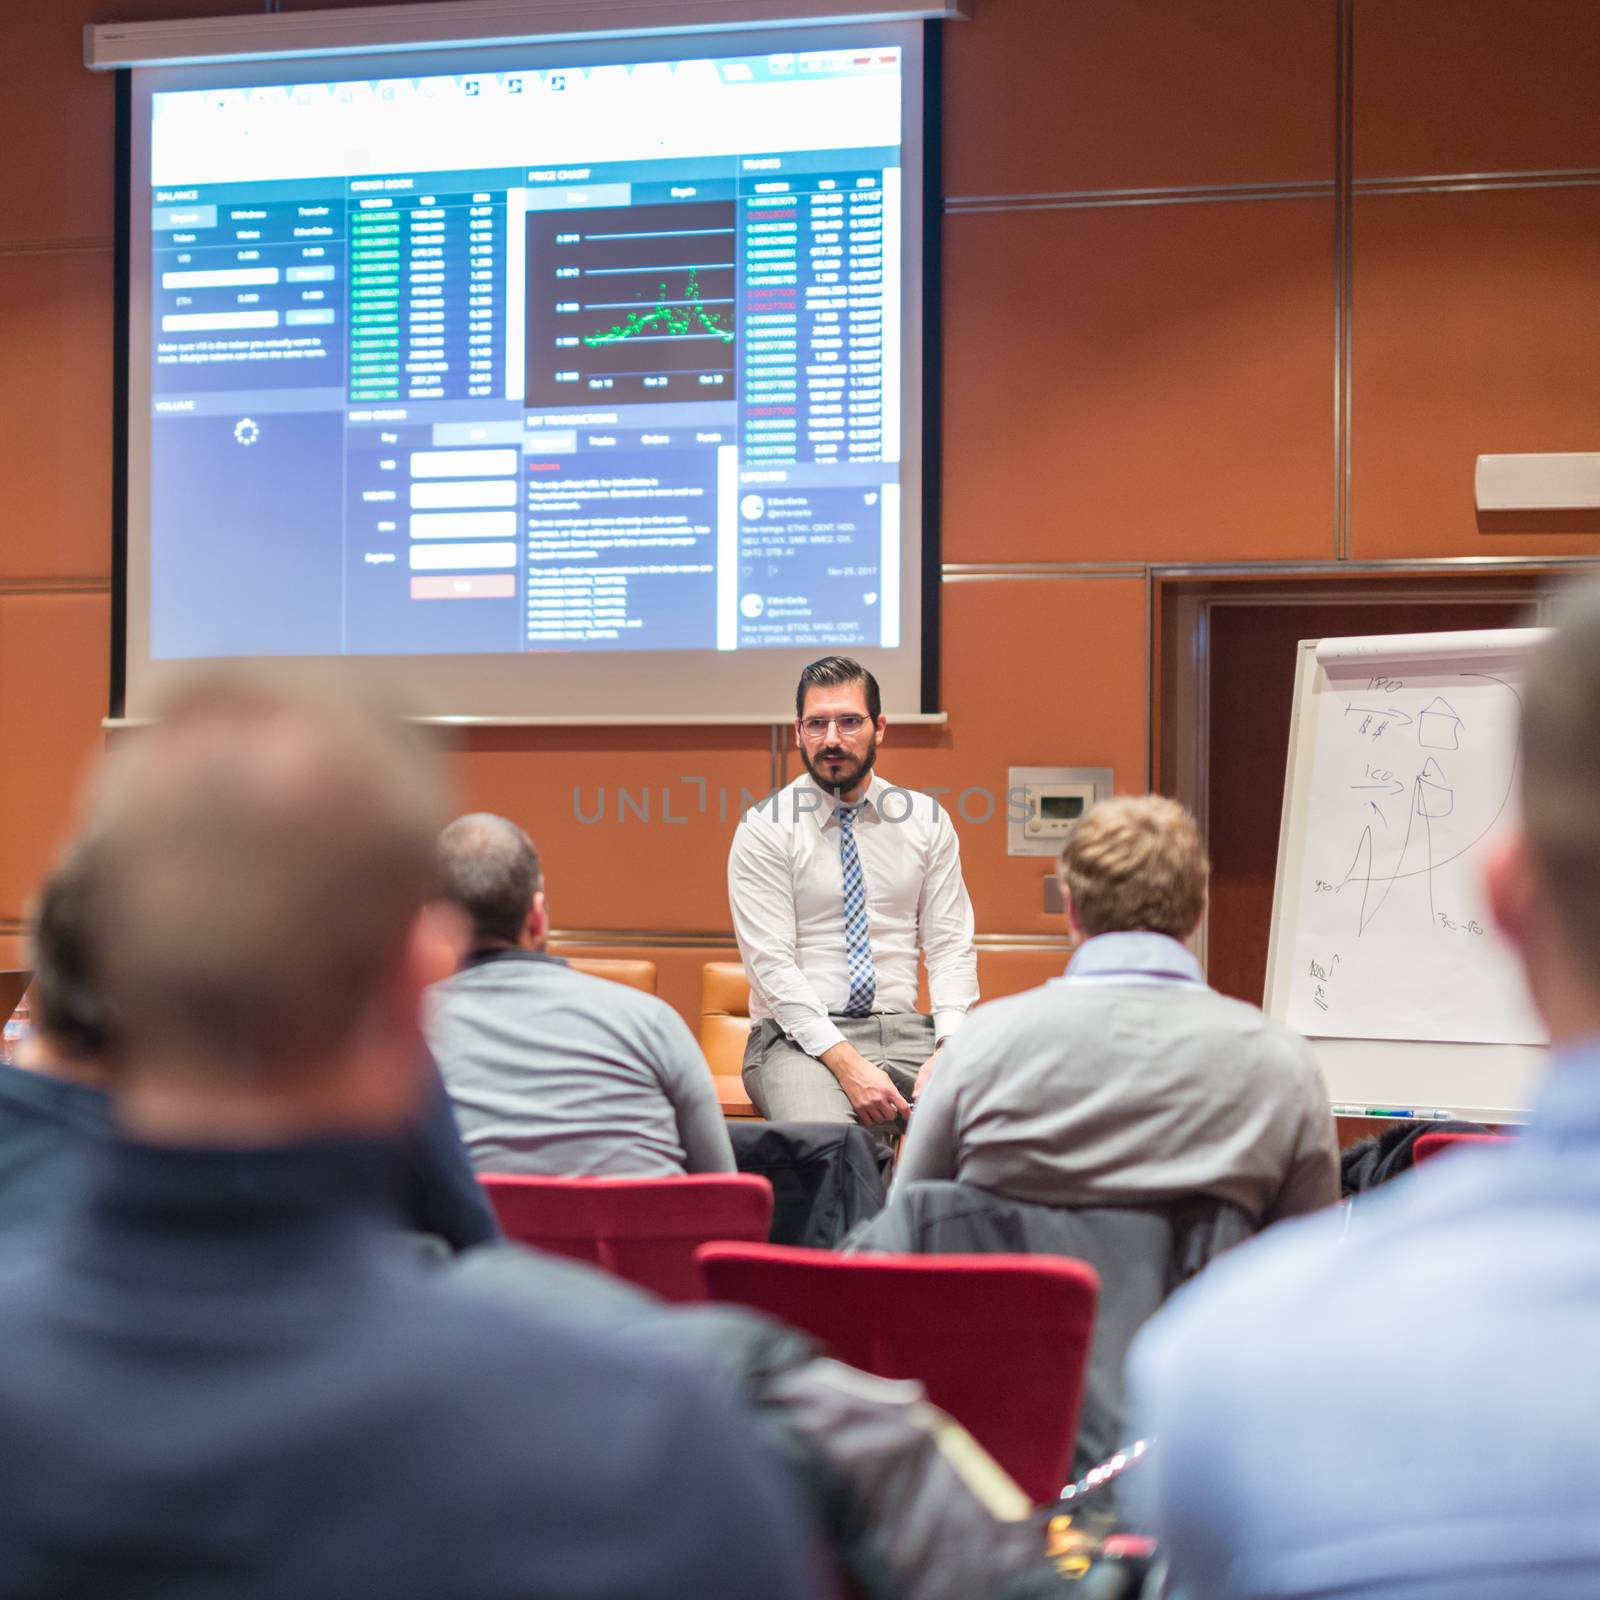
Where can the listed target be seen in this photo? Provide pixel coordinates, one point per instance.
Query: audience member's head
(70, 1034)
(257, 867)
(1544, 878)
(1135, 864)
(489, 867)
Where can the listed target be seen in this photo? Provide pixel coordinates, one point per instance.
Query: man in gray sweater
(1127, 1081)
(554, 1072)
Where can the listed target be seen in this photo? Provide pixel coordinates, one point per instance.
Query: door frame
(1183, 600)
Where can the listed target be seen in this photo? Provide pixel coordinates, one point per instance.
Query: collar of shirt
(55, 1100)
(242, 1219)
(1133, 958)
(493, 953)
(1568, 1102)
(868, 803)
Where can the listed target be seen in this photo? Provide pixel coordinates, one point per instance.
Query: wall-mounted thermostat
(1043, 803)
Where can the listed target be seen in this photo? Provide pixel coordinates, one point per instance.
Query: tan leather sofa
(636, 974)
(724, 1028)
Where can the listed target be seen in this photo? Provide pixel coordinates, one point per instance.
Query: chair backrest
(1142, 1254)
(999, 1341)
(636, 974)
(1432, 1144)
(642, 1229)
(724, 1031)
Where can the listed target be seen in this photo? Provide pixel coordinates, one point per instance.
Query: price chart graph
(631, 303)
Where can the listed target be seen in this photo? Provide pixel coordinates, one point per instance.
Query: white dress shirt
(786, 890)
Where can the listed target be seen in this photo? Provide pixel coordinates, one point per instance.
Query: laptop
(13, 985)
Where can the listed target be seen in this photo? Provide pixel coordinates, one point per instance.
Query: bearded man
(836, 882)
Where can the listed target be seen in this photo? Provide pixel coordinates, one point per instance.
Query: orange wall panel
(607, 866)
(56, 122)
(1475, 86)
(1043, 96)
(1036, 672)
(55, 414)
(52, 696)
(1476, 331)
(1147, 384)
(57, 117)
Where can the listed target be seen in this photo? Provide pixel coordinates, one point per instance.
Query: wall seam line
(18, 586)
(1453, 182)
(56, 247)
(1399, 566)
(1339, 187)
(1150, 621)
(1104, 203)
(1344, 207)
(1379, 565)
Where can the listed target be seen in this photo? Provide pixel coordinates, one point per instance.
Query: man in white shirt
(835, 883)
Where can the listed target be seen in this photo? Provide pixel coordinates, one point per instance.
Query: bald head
(489, 867)
(259, 858)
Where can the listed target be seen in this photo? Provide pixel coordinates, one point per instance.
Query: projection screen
(578, 381)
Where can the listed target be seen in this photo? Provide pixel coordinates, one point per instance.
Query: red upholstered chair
(1432, 1144)
(999, 1341)
(642, 1229)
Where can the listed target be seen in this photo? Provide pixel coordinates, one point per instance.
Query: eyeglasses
(848, 726)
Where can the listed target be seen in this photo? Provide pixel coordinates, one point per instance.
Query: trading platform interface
(598, 358)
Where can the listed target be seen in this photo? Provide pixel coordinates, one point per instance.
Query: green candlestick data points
(665, 318)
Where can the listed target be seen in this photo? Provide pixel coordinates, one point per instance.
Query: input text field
(464, 463)
(216, 321)
(465, 525)
(478, 492)
(446, 557)
(220, 278)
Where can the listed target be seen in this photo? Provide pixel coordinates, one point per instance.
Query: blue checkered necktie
(857, 945)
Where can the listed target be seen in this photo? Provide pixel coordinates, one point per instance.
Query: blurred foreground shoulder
(597, 1432)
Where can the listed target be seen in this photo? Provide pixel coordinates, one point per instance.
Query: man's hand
(871, 1090)
(924, 1072)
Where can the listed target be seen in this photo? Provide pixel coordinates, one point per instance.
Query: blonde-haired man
(1127, 1081)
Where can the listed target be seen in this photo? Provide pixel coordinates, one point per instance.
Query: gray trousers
(787, 1085)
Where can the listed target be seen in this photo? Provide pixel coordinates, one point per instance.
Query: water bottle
(16, 1030)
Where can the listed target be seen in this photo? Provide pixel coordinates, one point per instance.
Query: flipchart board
(1404, 762)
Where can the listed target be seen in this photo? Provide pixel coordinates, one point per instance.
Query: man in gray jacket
(554, 1072)
(1127, 1081)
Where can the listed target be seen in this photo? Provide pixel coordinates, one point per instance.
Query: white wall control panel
(1043, 803)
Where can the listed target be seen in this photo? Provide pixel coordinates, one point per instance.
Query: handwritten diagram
(1412, 777)
(1439, 728)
